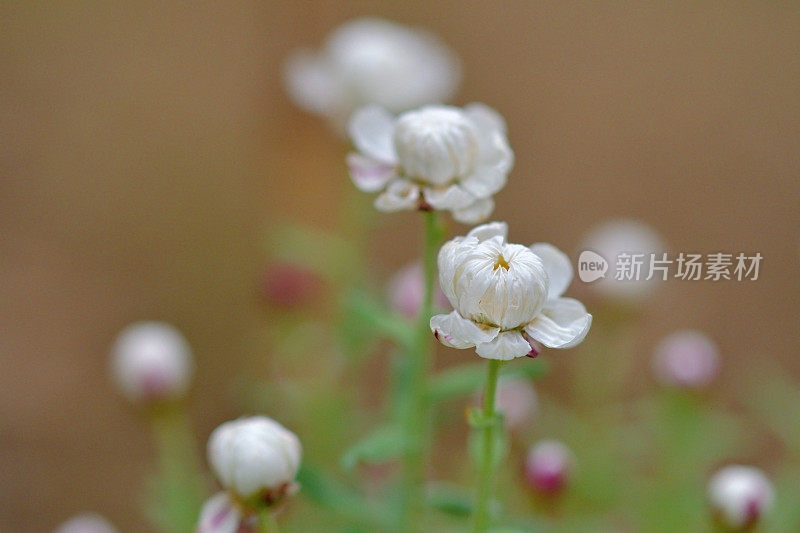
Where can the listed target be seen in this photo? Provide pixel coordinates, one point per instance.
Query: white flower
(615, 237)
(506, 296)
(86, 523)
(436, 157)
(220, 514)
(255, 456)
(686, 358)
(372, 61)
(548, 466)
(152, 361)
(740, 495)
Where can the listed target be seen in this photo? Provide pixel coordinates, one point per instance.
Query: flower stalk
(489, 422)
(267, 522)
(416, 420)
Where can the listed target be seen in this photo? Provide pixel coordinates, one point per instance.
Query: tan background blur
(147, 147)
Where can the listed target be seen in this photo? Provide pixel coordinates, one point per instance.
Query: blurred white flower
(152, 361)
(548, 466)
(255, 457)
(436, 157)
(614, 237)
(686, 358)
(516, 399)
(407, 290)
(86, 523)
(220, 514)
(372, 61)
(506, 296)
(740, 495)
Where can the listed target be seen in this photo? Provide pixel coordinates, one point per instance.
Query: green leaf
(468, 379)
(449, 499)
(341, 499)
(371, 316)
(383, 444)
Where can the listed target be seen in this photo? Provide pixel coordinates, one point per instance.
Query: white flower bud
(507, 297)
(548, 466)
(612, 238)
(86, 523)
(740, 495)
(152, 361)
(255, 457)
(436, 157)
(372, 61)
(686, 358)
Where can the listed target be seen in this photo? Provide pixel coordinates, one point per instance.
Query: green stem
(180, 490)
(416, 419)
(489, 421)
(267, 522)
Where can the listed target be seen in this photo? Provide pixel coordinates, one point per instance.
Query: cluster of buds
(255, 459)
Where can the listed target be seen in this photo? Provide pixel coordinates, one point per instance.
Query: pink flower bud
(516, 399)
(86, 523)
(284, 284)
(548, 466)
(740, 495)
(407, 290)
(220, 514)
(686, 358)
(152, 361)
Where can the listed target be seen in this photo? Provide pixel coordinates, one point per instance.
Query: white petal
(557, 265)
(506, 346)
(563, 323)
(399, 195)
(485, 181)
(452, 197)
(219, 515)
(484, 232)
(495, 154)
(486, 118)
(477, 212)
(371, 129)
(457, 332)
(311, 85)
(368, 174)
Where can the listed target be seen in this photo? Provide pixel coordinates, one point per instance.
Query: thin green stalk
(416, 419)
(178, 489)
(267, 523)
(489, 423)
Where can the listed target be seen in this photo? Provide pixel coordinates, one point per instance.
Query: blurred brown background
(146, 149)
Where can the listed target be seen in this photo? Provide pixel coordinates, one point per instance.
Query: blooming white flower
(686, 358)
(372, 61)
(615, 237)
(221, 514)
(516, 399)
(255, 457)
(548, 466)
(436, 157)
(152, 361)
(407, 290)
(740, 495)
(506, 296)
(86, 523)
